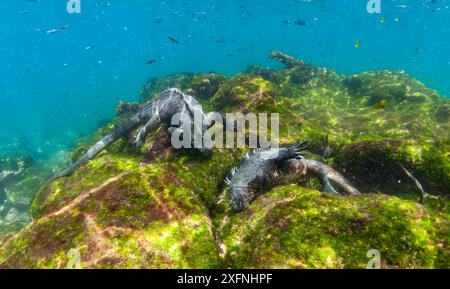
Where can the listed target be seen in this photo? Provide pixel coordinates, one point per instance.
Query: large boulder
(116, 212)
(19, 181)
(377, 165)
(386, 87)
(248, 93)
(162, 208)
(293, 227)
(201, 86)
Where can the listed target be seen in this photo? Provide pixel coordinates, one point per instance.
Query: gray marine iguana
(265, 168)
(159, 111)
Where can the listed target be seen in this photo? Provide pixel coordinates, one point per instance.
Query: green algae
(60, 191)
(247, 92)
(294, 227)
(377, 163)
(168, 220)
(166, 209)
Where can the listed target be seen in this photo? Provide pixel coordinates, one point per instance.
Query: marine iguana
(265, 168)
(153, 114)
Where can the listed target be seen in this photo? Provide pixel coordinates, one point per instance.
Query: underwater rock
(204, 86)
(300, 75)
(264, 73)
(11, 168)
(15, 163)
(126, 108)
(375, 166)
(389, 87)
(285, 59)
(157, 85)
(21, 192)
(246, 92)
(119, 212)
(13, 220)
(300, 72)
(442, 113)
(158, 146)
(14, 216)
(293, 227)
(165, 209)
(16, 192)
(334, 104)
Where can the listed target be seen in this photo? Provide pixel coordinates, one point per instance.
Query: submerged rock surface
(167, 209)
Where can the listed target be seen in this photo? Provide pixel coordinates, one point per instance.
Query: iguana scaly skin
(265, 168)
(159, 111)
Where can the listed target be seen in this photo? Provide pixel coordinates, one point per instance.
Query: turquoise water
(57, 87)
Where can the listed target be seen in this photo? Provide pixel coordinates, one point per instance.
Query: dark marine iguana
(159, 111)
(265, 168)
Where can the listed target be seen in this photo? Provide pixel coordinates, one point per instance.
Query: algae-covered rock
(163, 208)
(121, 224)
(11, 168)
(375, 165)
(122, 146)
(293, 227)
(330, 107)
(157, 85)
(201, 86)
(21, 192)
(204, 86)
(12, 219)
(246, 92)
(14, 163)
(390, 87)
(19, 181)
(127, 108)
(264, 73)
(118, 212)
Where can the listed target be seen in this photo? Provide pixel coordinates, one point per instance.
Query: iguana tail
(117, 133)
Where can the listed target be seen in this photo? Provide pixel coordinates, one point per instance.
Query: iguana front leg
(151, 125)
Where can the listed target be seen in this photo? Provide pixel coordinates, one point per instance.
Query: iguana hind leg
(327, 186)
(327, 175)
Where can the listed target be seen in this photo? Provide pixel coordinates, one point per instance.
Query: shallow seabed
(373, 87)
